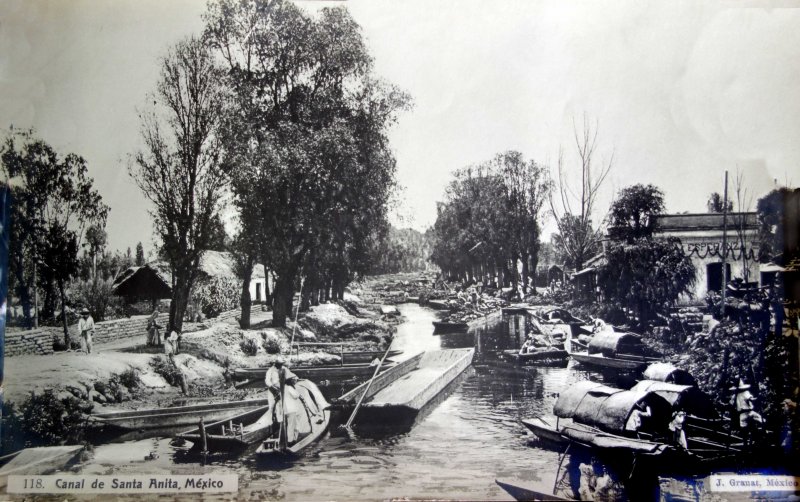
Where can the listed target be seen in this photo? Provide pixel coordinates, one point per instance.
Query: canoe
(157, 418)
(271, 446)
(438, 304)
(42, 460)
(618, 362)
(315, 373)
(547, 354)
(233, 434)
(449, 327)
(365, 356)
(410, 385)
(519, 492)
(544, 430)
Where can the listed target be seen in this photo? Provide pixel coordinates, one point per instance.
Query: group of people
(748, 420)
(171, 343)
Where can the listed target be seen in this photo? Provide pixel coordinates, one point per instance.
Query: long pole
(366, 389)
(724, 245)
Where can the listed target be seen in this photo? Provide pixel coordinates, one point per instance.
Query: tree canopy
(633, 212)
(180, 169)
(308, 134)
(54, 202)
(491, 219)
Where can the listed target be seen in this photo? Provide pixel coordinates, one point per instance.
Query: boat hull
(449, 327)
(317, 429)
(544, 431)
(159, 418)
(609, 362)
(315, 373)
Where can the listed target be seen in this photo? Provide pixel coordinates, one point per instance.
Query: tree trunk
(284, 291)
(64, 313)
(525, 272)
(180, 298)
(246, 301)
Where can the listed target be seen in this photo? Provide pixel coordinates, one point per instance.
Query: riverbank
(130, 375)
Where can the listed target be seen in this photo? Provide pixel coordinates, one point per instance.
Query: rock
(65, 395)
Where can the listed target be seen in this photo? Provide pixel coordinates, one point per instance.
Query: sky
(680, 92)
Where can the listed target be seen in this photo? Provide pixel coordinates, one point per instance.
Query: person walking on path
(153, 329)
(749, 419)
(86, 330)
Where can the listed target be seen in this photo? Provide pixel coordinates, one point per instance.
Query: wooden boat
(519, 492)
(438, 304)
(407, 387)
(366, 356)
(316, 373)
(234, 434)
(544, 355)
(272, 446)
(440, 327)
(622, 363)
(544, 430)
(42, 460)
(616, 351)
(157, 418)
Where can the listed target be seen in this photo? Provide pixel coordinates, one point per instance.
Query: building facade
(701, 236)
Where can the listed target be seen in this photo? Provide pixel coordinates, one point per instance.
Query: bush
(272, 343)
(167, 370)
(217, 295)
(94, 295)
(46, 420)
(129, 379)
(249, 346)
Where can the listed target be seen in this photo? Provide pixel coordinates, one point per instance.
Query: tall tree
(139, 255)
(633, 212)
(180, 170)
(309, 133)
(54, 202)
(573, 207)
(96, 243)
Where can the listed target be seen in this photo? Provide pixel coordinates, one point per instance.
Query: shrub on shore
(44, 419)
(168, 371)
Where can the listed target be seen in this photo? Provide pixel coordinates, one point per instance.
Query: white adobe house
(701, 236)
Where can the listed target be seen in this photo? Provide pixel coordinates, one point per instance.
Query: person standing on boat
(640, 411)
(749, 419)
(676, 426)
(86, 330)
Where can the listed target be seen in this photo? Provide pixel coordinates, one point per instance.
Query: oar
(366, 389)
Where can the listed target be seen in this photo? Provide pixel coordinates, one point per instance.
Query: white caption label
(753, 483)
(155, 483)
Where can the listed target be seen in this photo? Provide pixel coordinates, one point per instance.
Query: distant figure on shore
(749, 419)
(86, 330)
(153, 329)
(171, 343)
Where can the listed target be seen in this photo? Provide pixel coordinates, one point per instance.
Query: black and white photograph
(315, 250)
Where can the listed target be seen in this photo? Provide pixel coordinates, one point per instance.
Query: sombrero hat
(741, 386)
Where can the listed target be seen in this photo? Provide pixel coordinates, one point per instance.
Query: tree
(96, 242)
(140, 261)
(633, 212)
(778, 225)
(180, 170)
(716, 203)
(647, 275)
(571, 207)
(54, 201)
(311, 156)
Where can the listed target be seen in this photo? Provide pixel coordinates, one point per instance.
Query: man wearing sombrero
(749, 420)
(86, 329)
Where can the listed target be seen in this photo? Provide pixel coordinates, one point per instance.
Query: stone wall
(36, 341)
(107, 331)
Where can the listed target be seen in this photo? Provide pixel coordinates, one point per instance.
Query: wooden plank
(383, 379)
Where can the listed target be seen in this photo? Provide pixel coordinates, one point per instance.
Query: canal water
(455, 449)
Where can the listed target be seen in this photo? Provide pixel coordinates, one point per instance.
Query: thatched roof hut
(142, 283)
(608, 408)
(611, 343)
(666, 372)
(684, 397)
